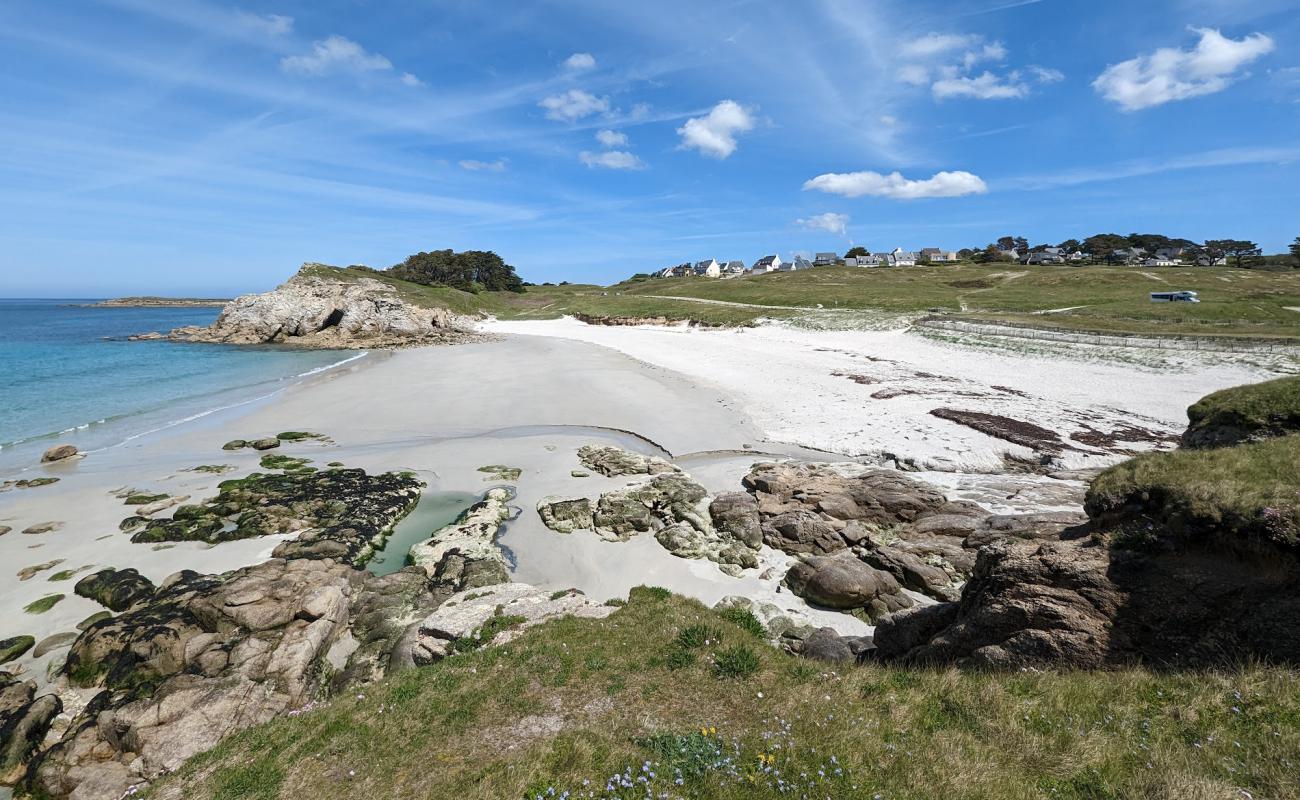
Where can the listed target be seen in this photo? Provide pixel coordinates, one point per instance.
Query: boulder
(14, 647)
(24, 721)
(116, 589)
(59, 452)
(909, 570)
(736, 514)
(844, 582)
(566, 515)
(801, 531)
(846, 492)
(269, 443)
(51, 643)
(666, 499)
(826, 645)
(235, 444)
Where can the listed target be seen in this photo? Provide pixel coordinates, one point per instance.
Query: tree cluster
(1113, 248)
(471, 271)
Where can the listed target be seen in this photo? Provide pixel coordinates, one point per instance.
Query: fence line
(1167, 341)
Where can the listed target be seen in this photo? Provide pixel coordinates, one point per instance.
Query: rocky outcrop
(59, 452)
(1244, 414)
(14, 647)
(473, 619)
(318, 308)
(116, 589)
(464, 554)
(208, 655)
(614, 461)
(338, 513)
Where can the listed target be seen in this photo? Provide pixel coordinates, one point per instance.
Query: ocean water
(67, 374)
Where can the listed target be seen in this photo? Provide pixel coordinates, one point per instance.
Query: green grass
(1235, 302)
(1250, 490)
(469, 728)
(1265, 408)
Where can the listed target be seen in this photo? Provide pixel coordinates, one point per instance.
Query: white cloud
(714, 135)
(933, 44)
(411, 80)
(830, 222)
(611, 139)
(1046, 74)
(573, 105)
(335, 54)
(580, 62)
(994, 51)
(985, 87)
(274, 24)
(484, 166)
(915, 74)
(895, 186)
(613, 159)
(1171, 74)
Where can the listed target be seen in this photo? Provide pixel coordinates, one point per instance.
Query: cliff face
(314, 311)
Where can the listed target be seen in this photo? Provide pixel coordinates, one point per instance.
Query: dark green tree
(1243, 253)
(472, 270)
(857, 252)
(1103, 246)
(1070, 245)
(1295, 251)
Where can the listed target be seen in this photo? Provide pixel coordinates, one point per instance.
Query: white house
(903, 258)
(708, 269)
(1048, 255)
(767, 264)
(937, 256)
(1160, 261)
(733, 269)
(825, 259)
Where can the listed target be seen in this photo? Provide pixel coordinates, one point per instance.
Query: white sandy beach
(716, 401)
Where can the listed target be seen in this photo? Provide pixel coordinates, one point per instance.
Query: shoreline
(716, 400)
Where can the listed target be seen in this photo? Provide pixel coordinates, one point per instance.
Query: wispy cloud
(273, 24)
(714, 135)
(574, 105)
(335, 54)
(1170, 74)
(946, 62)
(611, 159)
(895, 187)
(1226, 157)
(610, 138)
(474, 165)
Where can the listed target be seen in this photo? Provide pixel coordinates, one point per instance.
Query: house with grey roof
(825, 259)
(708, 269)
(767, 264)
(936, 255)
(733, 269)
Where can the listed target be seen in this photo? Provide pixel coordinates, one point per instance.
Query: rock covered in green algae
(235, 444)
(500, 472)
(14, 647)
(286, 463)
(340, 513)
(24, 721)
(268, 443)
(44, 604)
(117, 589)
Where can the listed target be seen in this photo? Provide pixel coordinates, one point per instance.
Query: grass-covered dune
(666, 698)
(1234, 302)
(1255, 411)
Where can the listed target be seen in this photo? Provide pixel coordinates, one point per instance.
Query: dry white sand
(814, 388)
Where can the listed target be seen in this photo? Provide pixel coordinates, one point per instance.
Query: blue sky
(200, 147)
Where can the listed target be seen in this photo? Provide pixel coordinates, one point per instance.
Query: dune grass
(1268, 406)
(599, 708)
(1247, 490)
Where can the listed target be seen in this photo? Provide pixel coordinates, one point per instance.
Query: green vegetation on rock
(843, 732)
(500, 472)
(43, 605)
(286, 463)
(297, 436)
(14, 647)
(1242, 413)
(213, 469)
(144, 499)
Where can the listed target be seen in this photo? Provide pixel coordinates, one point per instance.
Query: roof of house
(767, 260)
(733, 266)
(932, 251)
(827, 256)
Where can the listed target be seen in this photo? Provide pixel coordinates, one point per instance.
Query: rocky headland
(320, 310)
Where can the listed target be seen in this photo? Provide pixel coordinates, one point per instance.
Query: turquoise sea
(68, 374)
